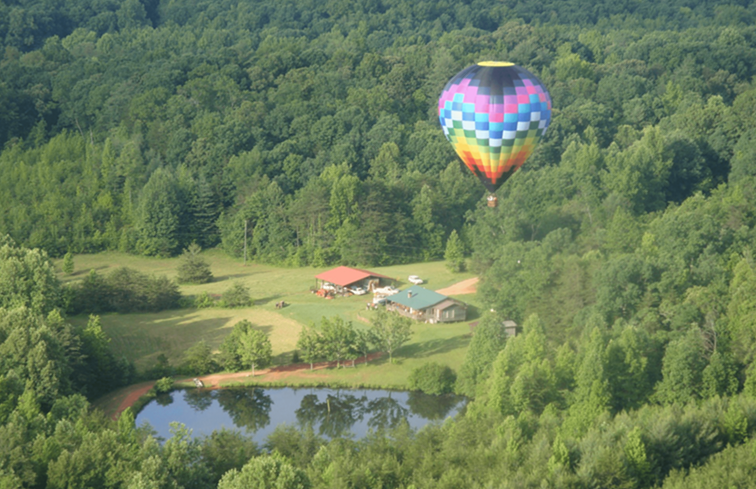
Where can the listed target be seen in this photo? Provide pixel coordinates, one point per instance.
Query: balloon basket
(492, 201)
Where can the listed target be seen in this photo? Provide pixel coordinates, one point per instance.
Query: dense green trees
(243, 129)
(122, 290)
(624, 247)
(41, 353)
(27, 279)
(266, 472)
(488, 340)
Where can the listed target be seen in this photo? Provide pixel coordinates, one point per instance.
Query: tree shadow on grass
(265, 329)
(211, 330)
(432, 347)
(473, 313)
(84, 272)
(266, 300)
(230, 276)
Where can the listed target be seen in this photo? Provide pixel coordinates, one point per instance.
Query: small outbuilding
(510, 327)
(341, 279)
(426, 305)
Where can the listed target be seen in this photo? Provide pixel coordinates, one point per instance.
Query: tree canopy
(306, 133)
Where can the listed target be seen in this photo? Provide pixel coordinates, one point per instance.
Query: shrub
(433, 378)
(164, 385)
(237, 296)
(203, 301)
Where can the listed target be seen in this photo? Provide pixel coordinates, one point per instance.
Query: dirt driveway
(461, 288)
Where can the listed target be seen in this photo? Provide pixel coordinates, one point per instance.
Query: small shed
(510, 327)
(344, 278)
(426, 305)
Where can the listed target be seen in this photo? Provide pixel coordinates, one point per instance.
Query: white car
(415, 279)
(357, 291)
(328, 286)
(388, 290)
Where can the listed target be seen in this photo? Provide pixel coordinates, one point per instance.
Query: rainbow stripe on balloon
(494, 114)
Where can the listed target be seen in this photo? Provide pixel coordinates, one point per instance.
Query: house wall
(451, 314)
(422, 315)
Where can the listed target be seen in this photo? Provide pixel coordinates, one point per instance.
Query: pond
(331, 412)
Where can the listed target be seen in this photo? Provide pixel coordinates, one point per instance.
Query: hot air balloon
(494, 114)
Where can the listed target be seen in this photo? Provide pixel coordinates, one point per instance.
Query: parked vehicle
(328, 286)
(357, 291)
(415, 279)
(388, 290)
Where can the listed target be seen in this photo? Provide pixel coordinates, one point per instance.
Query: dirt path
(132, 395)
(275, 374)
(460, 288)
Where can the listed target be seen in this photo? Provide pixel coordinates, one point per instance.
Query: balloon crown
(495, 63)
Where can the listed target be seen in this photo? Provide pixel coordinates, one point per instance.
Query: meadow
(141, 337)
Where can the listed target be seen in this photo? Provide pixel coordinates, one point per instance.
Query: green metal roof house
(426, 305)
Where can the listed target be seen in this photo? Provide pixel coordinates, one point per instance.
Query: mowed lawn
(142, 337)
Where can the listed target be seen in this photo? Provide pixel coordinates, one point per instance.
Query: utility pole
(245, 242)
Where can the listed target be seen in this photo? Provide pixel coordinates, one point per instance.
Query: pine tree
(237, 296)
(455, 254)
(193, 269)
(68, 263)
(159, 210)
(205, 213)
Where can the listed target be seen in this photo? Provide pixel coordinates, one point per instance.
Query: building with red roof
(345, 277)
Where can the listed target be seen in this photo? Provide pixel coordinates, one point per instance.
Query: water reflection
(332, 417)
(164, 399)
(431, 407)
(248, 408)
(385, 413)
(198, 399)
(330, 412)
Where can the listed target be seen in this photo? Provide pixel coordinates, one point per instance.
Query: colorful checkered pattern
(494, 114)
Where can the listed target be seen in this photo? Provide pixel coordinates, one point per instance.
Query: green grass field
(142, 337)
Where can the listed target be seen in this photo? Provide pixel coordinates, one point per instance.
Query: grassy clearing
(267, 283)
(142, 337)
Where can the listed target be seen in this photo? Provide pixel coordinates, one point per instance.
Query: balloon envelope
(494, 114)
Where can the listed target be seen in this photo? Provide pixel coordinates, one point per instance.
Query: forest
(623, 247)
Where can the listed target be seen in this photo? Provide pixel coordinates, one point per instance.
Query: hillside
(623, 248)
